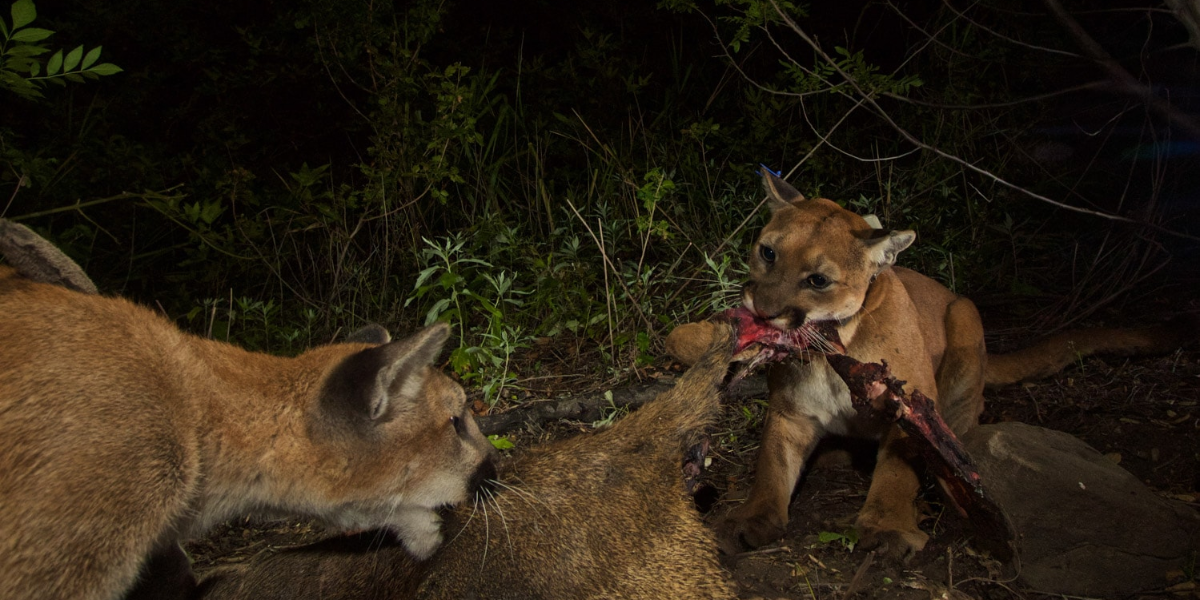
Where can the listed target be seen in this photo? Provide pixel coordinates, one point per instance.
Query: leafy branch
(21, 72)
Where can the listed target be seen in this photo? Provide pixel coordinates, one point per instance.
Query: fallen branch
(591, 407)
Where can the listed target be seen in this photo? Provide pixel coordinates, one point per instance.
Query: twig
(589, 407)
(953, 158)
(608, 299)
(21, 179)
(80, 205)
(825, 140)
(856, 581)
(736, 230)
(760, 552)
(1095, 85)
(616, 273)
(1006, 38)
(1125, 82)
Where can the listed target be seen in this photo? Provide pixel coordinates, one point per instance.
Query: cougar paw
(743, 530)
(891, 543)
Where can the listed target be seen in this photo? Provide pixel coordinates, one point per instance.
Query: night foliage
(581, 173)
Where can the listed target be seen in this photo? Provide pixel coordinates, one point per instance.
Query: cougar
(121, 434)
(595, 516)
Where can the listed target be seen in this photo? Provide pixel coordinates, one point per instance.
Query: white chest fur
(816, 391)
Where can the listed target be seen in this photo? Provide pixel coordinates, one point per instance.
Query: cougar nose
(483, 477)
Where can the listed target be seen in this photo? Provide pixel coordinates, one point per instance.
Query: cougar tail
(1050, 355)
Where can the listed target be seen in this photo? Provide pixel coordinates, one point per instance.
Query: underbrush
(336, 164)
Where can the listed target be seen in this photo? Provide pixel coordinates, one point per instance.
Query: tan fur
(930, 338)
(600, 516)
(120, 434)
(1053, 353)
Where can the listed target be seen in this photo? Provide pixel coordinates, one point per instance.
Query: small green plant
(463, 290)
(848, 538)
(1079, 362)
(255, 324)
(725, 280)
(656, 189)
(752, 414)
(501, 442)
(20, 69)
(611, 413)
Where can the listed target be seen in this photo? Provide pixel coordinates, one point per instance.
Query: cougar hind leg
(961, 372)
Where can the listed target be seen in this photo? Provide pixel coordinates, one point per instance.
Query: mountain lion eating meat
(816, 261)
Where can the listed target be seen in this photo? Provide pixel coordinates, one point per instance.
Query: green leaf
(26, 50)
(424, 275)
(500, 442)
(17, 84)
(54, 64)
(33, 34)
(91, 57)
(73, 77)
(34, 69)
(436, 311)
(19, 64)
(211, 211)
(23, 13)
(105, 69)
(3, 28)
(460, 360)
(828, 536)
(72, 59)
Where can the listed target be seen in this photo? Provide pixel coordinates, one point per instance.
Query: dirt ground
(1140, 412)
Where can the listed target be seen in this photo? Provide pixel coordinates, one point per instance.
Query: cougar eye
(459, 425)
(818, 281)
(767, 253)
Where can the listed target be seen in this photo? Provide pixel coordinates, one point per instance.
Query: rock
(1084, 526)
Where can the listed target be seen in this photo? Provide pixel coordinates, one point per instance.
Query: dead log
(591, 406)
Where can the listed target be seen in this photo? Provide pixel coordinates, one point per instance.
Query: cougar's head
(814, 260)
(396, 439)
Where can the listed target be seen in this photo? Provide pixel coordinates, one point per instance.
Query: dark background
(278, 172)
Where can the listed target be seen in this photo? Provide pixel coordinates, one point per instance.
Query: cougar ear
(369, 334)
(36, 258)
(886, 245)
(779, 192)
(377, 383)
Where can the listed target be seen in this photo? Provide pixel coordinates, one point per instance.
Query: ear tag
(873, 221)
(778, 173)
